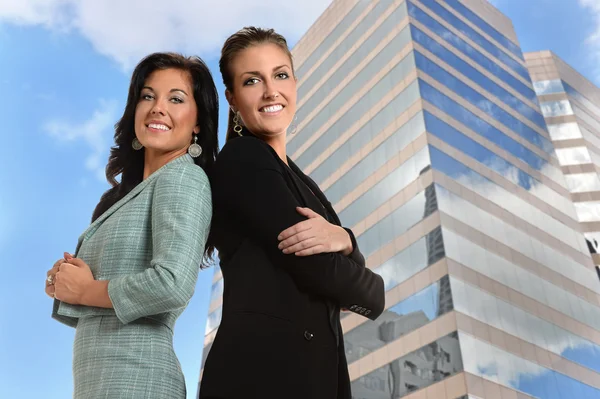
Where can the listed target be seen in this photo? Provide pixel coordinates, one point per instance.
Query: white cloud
(97, 132)
(593, 39)
(128, 30)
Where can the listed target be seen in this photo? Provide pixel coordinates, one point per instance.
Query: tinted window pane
(507, 170)
(588, 211)
(383, 190)
(564, 131)
(410, 314)
(488, 131)
(494, 364)
(466, 30)
(473, 74)
(471, 52)
(593, 108)
(481, 102)
(213, 320)
(548, 87)
(556, 108)
(505, 199)
(332, 37)
(573, 155)
(487, 28)
(582, 182)
(217, 290)
(419, 369)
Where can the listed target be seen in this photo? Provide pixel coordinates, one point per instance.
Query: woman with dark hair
(135, 267)
(288, 266)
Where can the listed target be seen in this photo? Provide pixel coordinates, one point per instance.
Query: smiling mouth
(158, 126)
(271, 108)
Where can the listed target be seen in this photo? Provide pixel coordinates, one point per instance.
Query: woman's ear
(230, 99)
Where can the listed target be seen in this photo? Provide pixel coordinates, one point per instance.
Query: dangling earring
(294, 125)
(194, 149)
(237, 127)
(136, 145)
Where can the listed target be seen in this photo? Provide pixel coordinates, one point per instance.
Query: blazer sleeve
(355, 255)
(248, 183)
(181, 215)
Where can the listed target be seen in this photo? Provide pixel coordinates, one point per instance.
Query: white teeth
(159, 127)
(272, 108)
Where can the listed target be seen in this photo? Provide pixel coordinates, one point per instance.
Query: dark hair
(127, 162)
(239, 41)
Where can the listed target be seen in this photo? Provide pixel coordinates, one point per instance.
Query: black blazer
(280, 334)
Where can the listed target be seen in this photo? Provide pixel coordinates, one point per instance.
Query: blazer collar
(186, 158)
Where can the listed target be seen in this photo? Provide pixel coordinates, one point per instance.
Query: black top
(280, 334)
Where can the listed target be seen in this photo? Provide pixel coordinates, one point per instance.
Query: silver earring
(293, 126)
(194, 149)
(136, 145)
(237, 127)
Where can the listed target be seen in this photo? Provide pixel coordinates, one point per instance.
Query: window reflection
(470, 52)
(385, 189)
(398, 222)
(595, 110)
(564, 131)
(542, 87)
(491, 310)
(469, 32)
(408, 96)
(410, 314)
(505, 199)
(478, 21)
(213, 320)
(507, 170)
(556, 108)
(481, 127)
(335, 34)
(216, 290)
(582, 182)
(496, 365)
(432, 363)
(515, 239)
(481, 102)
(479, 78)
(573, 156)
(522, 280)
(588, 211)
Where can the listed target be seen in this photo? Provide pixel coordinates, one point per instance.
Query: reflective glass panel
(216, 290)
(491, 310)
(582, 182)
(542, 87)
(504, 168)
(488, 131)
(481, 102)
(471, 52)
(573, 155)
(362, 107)
(335, 34)
(505, 199)
(411, 260)
(213, 320)
(490, 362)
(556, 108)
(518, 240)
(469, 32)
(410, 314)
(385, 189)
(487, 28)
(479, 78)
(593, 108)
(564, 131)
(587, 118)
(425, 366)
(588, 211)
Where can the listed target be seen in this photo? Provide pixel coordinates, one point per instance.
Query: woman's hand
(72, 281)
(314, 236)
(51, 276)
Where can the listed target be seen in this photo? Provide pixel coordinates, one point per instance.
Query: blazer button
(308, 335)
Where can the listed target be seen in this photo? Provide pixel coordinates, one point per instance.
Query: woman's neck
(154, 160)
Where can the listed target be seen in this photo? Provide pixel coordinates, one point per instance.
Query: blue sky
(64, 73)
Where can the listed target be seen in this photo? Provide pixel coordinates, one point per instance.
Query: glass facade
(420, 121)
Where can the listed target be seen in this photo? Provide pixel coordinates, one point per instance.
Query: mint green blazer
(149, 245)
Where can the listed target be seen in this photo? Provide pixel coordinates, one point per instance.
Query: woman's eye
(251, 81)
(147, 97)
(283, 75)
(176, 100)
